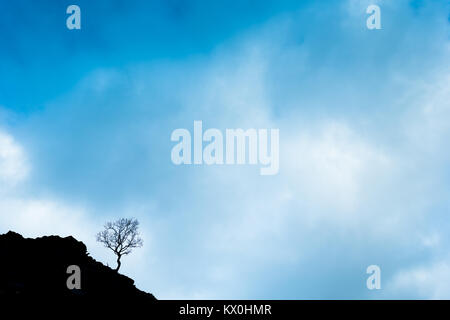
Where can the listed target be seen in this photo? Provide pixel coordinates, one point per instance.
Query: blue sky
(86, 117)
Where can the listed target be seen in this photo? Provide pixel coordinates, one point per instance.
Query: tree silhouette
(121, 237)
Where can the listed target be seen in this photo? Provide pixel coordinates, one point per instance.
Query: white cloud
(426, 124)
(37, 216)
(425, 282)
(329, 167)
(13, 162)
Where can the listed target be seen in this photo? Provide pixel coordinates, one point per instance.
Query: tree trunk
(118, 263)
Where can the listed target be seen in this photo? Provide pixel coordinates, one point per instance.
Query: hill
(37, 269)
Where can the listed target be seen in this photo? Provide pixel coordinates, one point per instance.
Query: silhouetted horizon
(40, 267)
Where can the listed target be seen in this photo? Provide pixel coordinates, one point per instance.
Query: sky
(86, 118)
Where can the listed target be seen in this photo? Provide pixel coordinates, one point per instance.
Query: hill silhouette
(37, 268)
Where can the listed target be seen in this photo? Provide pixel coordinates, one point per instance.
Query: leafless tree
(121, 237)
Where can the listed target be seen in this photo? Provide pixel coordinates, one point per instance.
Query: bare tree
(121, 237)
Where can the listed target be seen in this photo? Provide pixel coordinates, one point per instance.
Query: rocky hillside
(38, 268)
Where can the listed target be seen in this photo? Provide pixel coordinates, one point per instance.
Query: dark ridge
(37, 268)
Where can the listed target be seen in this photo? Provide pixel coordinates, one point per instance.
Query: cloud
(362, 137)
(35, 216)
(13, 163)
(331, 165)
(423, 282)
